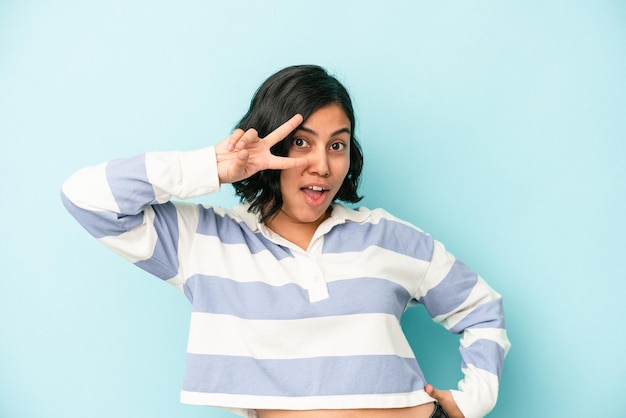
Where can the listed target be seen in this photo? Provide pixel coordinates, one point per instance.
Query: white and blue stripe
(274, 326)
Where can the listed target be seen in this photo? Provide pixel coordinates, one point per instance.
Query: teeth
(316, 188)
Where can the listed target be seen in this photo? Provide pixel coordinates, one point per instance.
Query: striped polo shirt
(275, 326)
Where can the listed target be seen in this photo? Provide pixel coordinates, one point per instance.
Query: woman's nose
(319, 164)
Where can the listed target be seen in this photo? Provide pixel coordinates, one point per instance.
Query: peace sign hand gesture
(243, 154)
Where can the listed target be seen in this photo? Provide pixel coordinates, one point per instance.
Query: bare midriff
(420, 411)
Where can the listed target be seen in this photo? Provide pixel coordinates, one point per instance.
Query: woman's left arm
(463, 302)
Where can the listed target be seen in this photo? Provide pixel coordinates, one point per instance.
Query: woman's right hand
(243, 154)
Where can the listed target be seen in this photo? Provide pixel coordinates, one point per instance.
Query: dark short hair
(299, 89)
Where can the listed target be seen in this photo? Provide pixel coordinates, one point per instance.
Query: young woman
(296, 299)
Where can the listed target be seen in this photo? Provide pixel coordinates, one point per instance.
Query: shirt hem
(245, 405)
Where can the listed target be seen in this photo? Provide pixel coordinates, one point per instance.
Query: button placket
(314, 277)
(318, 289)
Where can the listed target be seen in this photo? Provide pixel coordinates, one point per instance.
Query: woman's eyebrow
(312, 132)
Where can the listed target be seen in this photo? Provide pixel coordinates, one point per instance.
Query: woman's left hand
(444, 397)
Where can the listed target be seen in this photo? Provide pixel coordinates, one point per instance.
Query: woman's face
(307, 192)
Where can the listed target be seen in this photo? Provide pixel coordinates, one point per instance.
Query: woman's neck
(299, 233)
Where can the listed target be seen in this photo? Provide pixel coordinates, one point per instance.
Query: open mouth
(315, 194)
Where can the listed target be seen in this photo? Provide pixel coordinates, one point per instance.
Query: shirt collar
(339, 215)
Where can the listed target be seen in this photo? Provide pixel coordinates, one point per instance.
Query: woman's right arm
(126, 205)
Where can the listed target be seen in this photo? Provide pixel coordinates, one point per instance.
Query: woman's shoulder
(375, 215)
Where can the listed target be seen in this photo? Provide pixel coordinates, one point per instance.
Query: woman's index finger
(283, 130)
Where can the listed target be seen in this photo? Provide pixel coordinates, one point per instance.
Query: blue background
(497, 126)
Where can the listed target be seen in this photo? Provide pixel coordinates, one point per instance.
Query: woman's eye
(338, 146)
(299, 142)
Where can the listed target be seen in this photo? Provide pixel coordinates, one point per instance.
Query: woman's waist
(419, 411)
